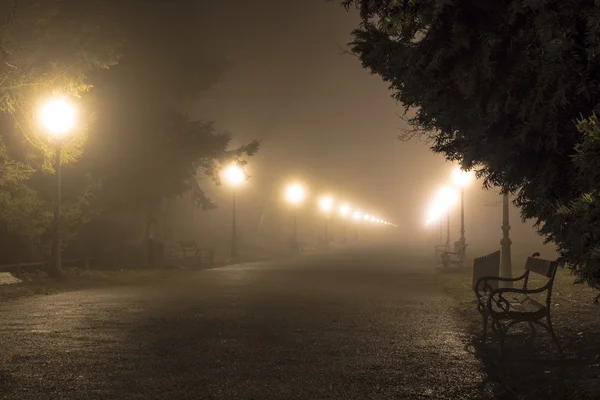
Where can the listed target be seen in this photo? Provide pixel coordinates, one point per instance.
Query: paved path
(362, 325)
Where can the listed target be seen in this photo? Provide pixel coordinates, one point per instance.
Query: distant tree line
(134, 146)
(507, 88)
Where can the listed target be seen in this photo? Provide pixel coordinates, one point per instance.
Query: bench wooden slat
(525, 304)
(540, 266)
(488, 265)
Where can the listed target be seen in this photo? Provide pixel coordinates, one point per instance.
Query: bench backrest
(188, 245)
(545, 268)
(540, 266)
(488, 265)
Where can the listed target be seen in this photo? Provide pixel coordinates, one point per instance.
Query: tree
(136, 147)
(144, 148)
(496, 86)
(575, 227)
(46, 46)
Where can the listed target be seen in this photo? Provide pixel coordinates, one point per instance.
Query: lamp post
(235, 176)
(506, 262)
(59, 118)
(462, 179)
(344, 211)
(326, 204)
(444, 201)
(448, 229)
(357, 216)
(295, 195)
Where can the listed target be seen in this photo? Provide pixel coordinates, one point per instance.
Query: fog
(326, 121)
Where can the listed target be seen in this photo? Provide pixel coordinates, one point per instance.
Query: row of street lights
(59, 118)
(295, 194)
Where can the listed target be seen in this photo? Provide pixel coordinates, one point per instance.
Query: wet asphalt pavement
(363, 324)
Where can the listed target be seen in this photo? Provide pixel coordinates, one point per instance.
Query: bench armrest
(460, 252)
(484, 280)
(450, 252)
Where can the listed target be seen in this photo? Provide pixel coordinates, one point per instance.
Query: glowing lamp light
(344, 210)
(462, 178)
(356, 215)
(295, 194)
(326, 204)
(234, 175)
(59, 117)
(445, 199)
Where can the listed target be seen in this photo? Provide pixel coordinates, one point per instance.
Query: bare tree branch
(346, 51)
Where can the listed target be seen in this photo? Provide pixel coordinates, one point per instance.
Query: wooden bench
(509, 306)
(191, 251)
(485, 267)
(457, 258)
(439, 249)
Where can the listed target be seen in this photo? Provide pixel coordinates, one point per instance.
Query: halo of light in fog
(234, 175)
(446, 197)
(344, 210)
(58, 116)
(356, 215)
(462, 178)
(295, 193)
(326, 204)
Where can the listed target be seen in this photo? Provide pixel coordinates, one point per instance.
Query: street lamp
(344, 212)
(357, 216)
(234, 176)
(295, 195)
(445, 199)
(59, 119)
(326, 204)
(462, 179)
(506, 261)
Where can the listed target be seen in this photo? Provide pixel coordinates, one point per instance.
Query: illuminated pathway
(366, 325)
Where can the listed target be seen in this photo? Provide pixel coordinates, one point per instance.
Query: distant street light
(462, 179)
(326, 204)
(59, 118)
(234, 176)
(445, 199)
(358, 217)
(344, 212)
(295, 194)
